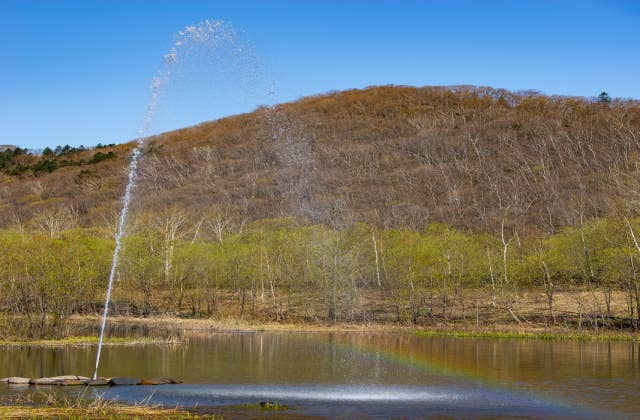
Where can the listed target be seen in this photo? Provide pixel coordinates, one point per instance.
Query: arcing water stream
(208, 34)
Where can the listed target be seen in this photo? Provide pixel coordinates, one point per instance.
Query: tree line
(282, 270)
(15, 161)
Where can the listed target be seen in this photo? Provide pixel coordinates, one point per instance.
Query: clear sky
(78, 72)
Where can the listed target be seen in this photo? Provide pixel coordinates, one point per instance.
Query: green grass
(90, 341)
(266, 406)
(527, 335)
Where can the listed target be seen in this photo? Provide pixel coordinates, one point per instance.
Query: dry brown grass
(113, 411)
(530, 307)
(54, 405)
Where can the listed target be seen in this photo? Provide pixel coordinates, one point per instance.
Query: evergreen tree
(604, 98)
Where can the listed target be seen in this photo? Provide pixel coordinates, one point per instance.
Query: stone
(70, 382)
(124, 381)
(19, 381)
(42, 381)
(159, 381)
(4, 380)
(67, 377)
(98, 382)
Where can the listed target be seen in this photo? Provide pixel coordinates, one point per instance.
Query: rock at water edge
(42, 381)
(98, 382)
(70, 382)
(124, 381)
(19, 381)
(159, 381)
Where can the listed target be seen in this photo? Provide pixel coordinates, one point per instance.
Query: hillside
(392, 156)
(389, 204)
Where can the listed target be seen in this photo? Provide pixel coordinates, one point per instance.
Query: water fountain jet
(211, 34)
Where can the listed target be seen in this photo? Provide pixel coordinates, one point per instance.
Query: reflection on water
(376, 374)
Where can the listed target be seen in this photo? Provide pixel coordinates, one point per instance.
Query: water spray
(210, 33)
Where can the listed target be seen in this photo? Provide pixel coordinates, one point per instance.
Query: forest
(416, 206)
(280, 270)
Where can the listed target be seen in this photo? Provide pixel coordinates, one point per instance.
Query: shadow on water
(362, 374)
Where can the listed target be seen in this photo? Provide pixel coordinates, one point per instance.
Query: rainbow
(441, 356)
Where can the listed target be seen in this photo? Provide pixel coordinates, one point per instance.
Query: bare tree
(53, 221)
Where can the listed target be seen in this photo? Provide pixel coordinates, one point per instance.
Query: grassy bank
(168, 330)
(529, 335)
(111, 412)
(115, 411)
(459, 330)
(50, 404)
(91, 341)
(171, 325)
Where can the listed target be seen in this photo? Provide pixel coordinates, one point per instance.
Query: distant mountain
(473, 157)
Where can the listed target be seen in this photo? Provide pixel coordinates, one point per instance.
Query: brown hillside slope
(396, 156)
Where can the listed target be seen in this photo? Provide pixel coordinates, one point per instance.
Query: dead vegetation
(393, 156)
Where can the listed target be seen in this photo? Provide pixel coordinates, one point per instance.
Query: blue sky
(78, 72)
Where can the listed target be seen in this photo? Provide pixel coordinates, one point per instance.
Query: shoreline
(89, 341)
(111, 411)
(177, 326)
(117, 411)
(455, 330)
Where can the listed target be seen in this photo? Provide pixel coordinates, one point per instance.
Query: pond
(365, 375)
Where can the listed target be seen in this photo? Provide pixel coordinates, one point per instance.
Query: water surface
(372, 375)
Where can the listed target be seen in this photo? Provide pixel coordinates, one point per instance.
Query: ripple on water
(366, 400)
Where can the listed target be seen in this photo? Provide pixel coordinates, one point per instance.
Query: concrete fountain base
(70, 380)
